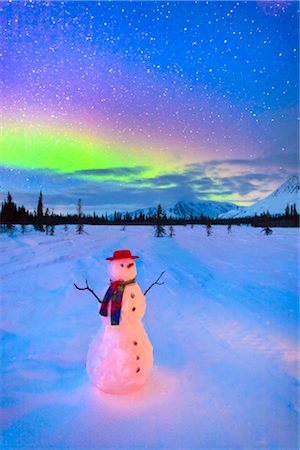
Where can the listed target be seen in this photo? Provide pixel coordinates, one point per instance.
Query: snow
(184, 209)
(275, 203)
(224, 330)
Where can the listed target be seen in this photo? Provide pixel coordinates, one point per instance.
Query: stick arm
(87, 288)
(155, 282)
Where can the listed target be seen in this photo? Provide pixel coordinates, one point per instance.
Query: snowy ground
(223, 327)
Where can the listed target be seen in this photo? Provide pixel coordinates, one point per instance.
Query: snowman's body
(120, 357)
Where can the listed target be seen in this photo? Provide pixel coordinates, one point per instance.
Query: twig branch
(87, 288)
(155, 282)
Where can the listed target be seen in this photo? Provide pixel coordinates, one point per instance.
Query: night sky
(127, 104)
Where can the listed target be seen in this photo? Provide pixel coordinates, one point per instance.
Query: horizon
(110, 212)
(147, 103)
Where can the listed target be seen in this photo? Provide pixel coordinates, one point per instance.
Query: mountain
(207, 208)
(275, 203)
(184, 209)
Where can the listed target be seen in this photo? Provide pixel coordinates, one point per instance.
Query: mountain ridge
(274, 204)
(184, 209)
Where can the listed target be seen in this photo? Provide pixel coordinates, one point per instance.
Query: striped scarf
(115, 294)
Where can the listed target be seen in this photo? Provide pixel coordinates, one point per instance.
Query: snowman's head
(122, 269)
(122, 265)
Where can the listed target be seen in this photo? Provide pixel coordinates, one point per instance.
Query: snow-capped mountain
(275, 203)
(146, 211)
(207, 208)
(184, 209)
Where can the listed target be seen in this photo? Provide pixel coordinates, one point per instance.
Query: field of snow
(224, 328)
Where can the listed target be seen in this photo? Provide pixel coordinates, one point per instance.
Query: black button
(138, 369)
(132, 295)
(134, 343)
(137, 357)
(133, 309)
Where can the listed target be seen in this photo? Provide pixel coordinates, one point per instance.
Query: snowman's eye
(122, 265)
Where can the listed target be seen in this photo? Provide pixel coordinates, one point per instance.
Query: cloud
(114, 172)
(194, 183)
(287, 160)
(190, 184)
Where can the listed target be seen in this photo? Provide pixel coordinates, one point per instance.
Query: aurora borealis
(127, 104)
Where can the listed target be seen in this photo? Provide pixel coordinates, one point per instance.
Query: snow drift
(224, 330)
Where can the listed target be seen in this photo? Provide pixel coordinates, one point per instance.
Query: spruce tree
(9, 212)
(287, 210)
(294, 209)
(10, 209)
(35, 220)
(40, 213)
(159, 229)
(172, 231)
(208, 229)
(23, 221)
(79, 229)
(47, 221)
(267, 230)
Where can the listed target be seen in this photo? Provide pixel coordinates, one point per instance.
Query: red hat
(122, 254)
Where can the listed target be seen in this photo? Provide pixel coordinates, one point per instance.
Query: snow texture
(224, 330)
(275, 203)
(184, 209)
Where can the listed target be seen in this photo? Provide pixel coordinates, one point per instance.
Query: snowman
(120, 357)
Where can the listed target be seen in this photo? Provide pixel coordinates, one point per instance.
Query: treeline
(43, 219)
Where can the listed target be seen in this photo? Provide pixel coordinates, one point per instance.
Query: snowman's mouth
(130, 265)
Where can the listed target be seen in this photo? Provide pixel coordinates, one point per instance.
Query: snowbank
(224, 328)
